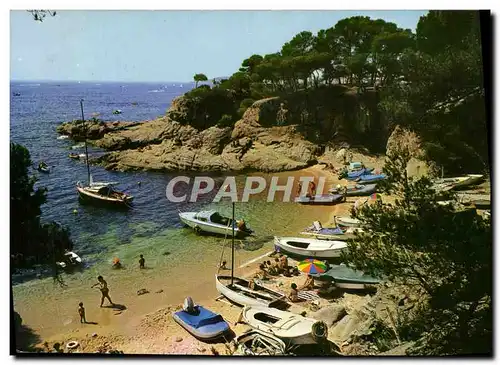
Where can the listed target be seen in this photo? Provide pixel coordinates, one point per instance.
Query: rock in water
(142, 291)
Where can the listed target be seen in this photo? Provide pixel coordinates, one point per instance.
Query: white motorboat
(212, 222)
(290, 327)
(310, 247)
(347, 221)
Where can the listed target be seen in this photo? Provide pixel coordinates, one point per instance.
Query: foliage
(31, 242)
(39, 15)
(199, 77)
(440, 252)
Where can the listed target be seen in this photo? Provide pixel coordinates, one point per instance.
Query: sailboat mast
(86, 151)
(232, 250)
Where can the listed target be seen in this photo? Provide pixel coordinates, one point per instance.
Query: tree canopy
(31, 242)
(443, 254)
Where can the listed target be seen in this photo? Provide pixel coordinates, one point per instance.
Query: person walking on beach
(103, 287)
(313, 189)
(141, 262)
(81, 312)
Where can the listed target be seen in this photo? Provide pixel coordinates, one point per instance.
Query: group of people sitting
(294, 292)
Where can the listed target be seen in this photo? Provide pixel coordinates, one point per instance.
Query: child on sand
(81, 312)
(141, 262)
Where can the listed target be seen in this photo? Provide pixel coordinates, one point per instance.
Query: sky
(160, 46)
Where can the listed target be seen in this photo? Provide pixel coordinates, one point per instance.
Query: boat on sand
(324, 199)
(290, 327)
(201, 322)
(346, 278)
(309, 247)
(330, 233)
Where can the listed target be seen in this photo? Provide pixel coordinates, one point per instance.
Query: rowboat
(290, 327)
(452, 183)
(347, 278)
(258, 343)
(309, 247)
(240, 293)
(347, 221)
(354, 190)
(211, 221)
(202, 323)
(324, 199)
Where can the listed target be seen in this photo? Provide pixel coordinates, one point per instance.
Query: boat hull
(211, 228)
(347, 222)
(87, 197)
(282, 244)
(209, 331)
(290, 328)
(327, 199)
(241, 299)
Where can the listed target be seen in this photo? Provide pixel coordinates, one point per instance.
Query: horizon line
(101, 81)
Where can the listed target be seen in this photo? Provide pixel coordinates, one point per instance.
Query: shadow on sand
(26, 339)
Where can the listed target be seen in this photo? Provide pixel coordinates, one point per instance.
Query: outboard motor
(188, 305)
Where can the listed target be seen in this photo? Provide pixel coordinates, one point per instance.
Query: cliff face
(403, 139)
(164, 144)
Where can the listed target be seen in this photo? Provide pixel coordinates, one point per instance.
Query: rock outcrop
(166, 145)
(403, 139)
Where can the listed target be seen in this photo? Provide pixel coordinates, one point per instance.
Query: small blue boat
(355, 190)
(352, 175)
(201, 322)
(367, 179)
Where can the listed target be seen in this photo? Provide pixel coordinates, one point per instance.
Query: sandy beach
(143, 323)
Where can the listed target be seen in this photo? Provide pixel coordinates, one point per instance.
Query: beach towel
(308, 295)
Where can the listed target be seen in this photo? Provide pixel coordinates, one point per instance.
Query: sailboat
(100, 192)
(238, 289)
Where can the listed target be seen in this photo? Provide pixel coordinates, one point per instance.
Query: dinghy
(42, 167)
(354, 190)
(347, 278)
(258, 343)
(347, 221)
(240, 293)
(325, 199)
(201, 322)
(332, 233)
(309, 247)
(290, 327)
(211, 221)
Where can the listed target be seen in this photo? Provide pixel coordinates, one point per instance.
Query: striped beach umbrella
(312, 266)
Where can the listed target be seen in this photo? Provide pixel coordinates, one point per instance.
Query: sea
(151, 227)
